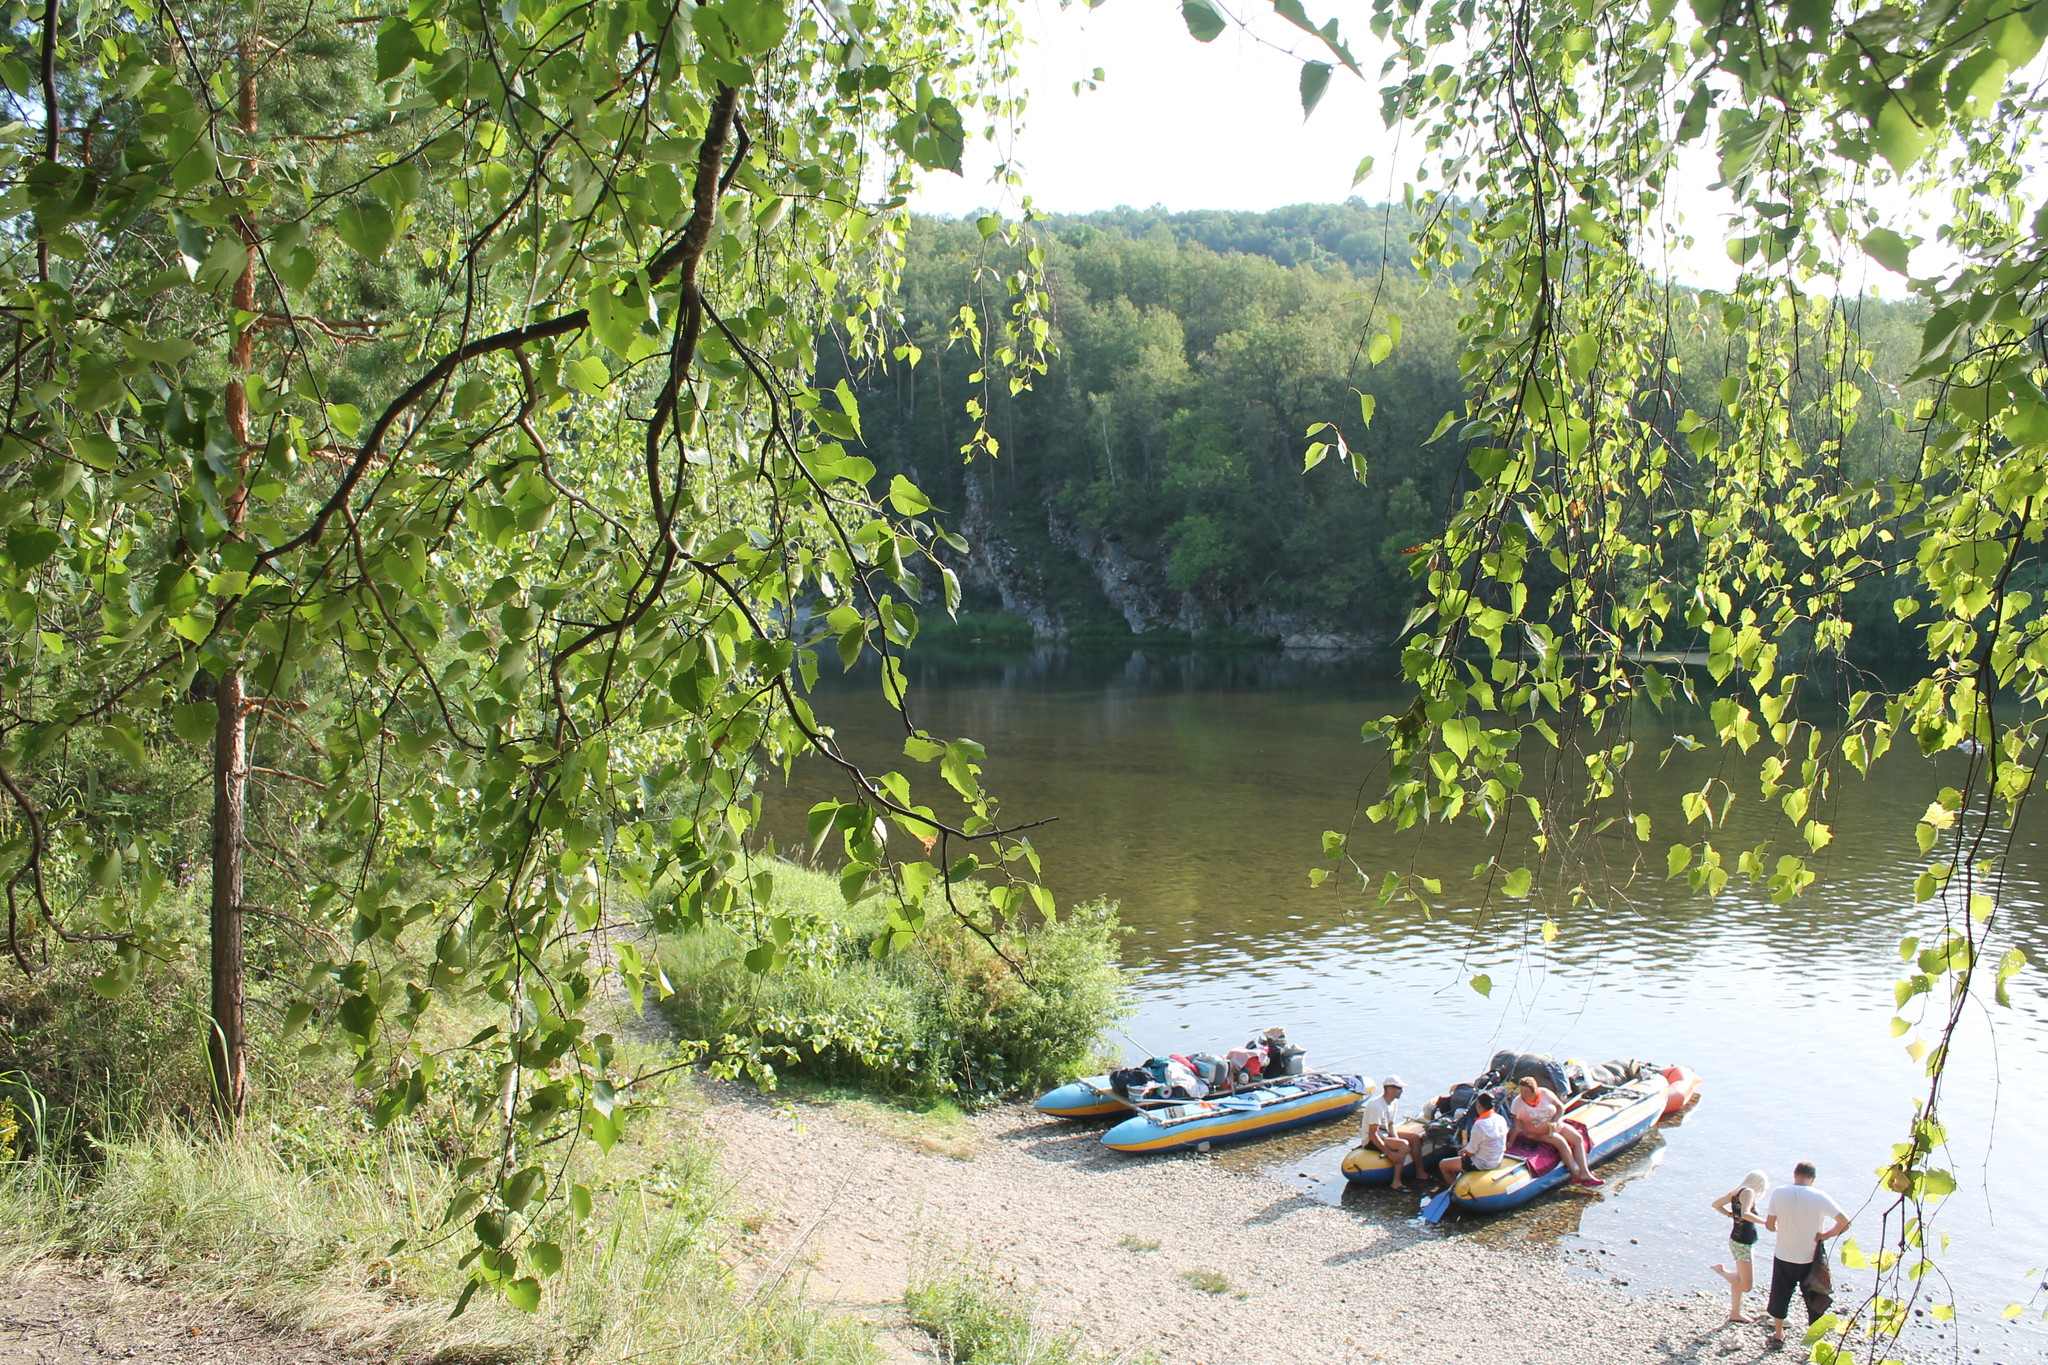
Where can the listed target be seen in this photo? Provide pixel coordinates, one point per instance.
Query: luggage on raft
(1163, 1081)
(1273, 1107)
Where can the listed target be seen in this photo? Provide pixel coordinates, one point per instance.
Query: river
(1193, 789)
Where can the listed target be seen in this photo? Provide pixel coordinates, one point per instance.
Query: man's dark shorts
(1785, 1281)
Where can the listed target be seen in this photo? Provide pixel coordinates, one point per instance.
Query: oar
(1437, 1207)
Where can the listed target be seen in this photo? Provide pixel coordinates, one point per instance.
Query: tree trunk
(227, 1043)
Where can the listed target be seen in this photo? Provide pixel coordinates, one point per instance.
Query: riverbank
(1117, 1248)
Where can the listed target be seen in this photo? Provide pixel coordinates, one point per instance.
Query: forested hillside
(1153, 478)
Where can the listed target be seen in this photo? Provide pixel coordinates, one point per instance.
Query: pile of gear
(1198, 1075)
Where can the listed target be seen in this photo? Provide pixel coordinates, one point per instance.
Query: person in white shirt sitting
(1379, 1128)
(1484, 1148)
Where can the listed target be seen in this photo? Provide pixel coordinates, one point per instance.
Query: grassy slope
(312, 1221)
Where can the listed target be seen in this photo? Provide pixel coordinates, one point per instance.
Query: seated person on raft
(1484, 1148)
(1379, 1128)
(1539, 1117)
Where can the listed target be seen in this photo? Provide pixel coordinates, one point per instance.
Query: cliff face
(1074, 575)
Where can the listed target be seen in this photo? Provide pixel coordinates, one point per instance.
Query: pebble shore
(847, 1210)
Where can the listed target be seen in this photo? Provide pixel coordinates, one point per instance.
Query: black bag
(1818, 1290)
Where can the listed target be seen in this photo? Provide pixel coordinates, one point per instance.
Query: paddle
(1438, 1205)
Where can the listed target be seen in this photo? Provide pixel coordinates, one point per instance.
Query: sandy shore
(847, 1207)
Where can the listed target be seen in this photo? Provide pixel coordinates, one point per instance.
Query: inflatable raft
(1614, 1119)
(1289, 1102)
(1090, 1098)
(1366, 1166)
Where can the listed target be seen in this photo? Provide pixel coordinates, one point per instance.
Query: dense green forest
(1153, 480)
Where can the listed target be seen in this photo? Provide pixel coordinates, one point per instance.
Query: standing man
(1379, 1128)
(1796, 1213)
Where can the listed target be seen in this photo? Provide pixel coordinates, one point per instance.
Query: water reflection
(1193, 789)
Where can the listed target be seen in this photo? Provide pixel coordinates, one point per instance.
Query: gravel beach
(848, 1208)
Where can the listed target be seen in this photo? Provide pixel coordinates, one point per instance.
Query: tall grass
(948, 1017)
(311, 1220)
(978, 1317)
(352, 1248)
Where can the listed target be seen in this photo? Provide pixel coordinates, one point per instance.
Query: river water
(1193, 789)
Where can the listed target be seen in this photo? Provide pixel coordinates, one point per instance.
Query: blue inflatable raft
(1614, 1119)
(1290, 1102)
(1092, 1098)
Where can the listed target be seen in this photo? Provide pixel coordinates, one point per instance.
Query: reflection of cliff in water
(1090, 667)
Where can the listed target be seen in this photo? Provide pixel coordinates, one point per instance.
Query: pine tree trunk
(227, 1045)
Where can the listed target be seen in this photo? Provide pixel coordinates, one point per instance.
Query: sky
(1173, 122)
(1187, 125)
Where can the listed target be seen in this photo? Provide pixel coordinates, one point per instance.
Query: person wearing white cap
(1379, 1127)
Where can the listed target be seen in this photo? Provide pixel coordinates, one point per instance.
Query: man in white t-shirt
(1796, 1214)
(1379, 1127)
(1484, 1148)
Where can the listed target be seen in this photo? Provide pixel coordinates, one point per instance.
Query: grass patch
(350, 1243)
(313, 1221)
(1208, 1281)
(1137, 1244)
(938, 1126)
(980, 1318)
(943, 1017)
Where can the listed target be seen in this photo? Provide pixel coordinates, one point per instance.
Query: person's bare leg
(1564, 1149)
(1578, 1146)
(1734, 1294)
(1745, 1279)
(1395, 1150)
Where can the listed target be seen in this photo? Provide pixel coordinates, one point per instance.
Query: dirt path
(847, 1208)
(54, 1315)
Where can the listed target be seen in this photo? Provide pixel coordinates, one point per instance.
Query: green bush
(948, 1017)
(979, 1318)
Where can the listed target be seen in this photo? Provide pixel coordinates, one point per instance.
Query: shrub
(979, 1318)
(949, 1017)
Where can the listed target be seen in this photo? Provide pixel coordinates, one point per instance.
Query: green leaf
(1202, 19)
(1899, 138)
(906, 498)
(524, 1294)
(347, 419)
(367, 228)
(1887, 248)
(194, 722)
(1482, 983)
(587, 375)
(31, 546)
(1315, 78)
